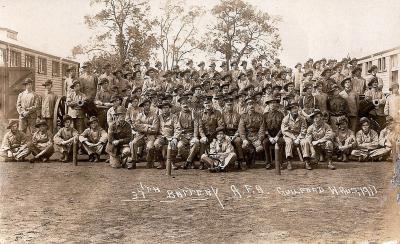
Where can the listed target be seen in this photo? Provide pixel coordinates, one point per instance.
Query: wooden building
(388, 65)
(17, 62)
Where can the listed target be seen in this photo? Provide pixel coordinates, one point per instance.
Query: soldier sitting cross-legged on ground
(41, 145)
(14, 146)
(93, 139)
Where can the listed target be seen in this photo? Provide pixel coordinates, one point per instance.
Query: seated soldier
(294, 129)
(345, 141)
(167, 121)
(252, 132)
(221, 155)
(146, 125)
(41, 145)
(64, 138)
(319, 137)
(387, 138)
(14, 146)
(186, 131)
(273, 120)
(231, 121)
(367, 140)
(209, 120)
(119, 136)
(93, 139)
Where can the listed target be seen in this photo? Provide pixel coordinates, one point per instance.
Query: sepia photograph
(213, 121)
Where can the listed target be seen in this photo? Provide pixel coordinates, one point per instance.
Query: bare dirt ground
(93, 203)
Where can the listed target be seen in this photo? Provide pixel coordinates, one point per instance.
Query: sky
(309, 28)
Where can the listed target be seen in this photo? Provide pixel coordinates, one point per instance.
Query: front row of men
(219, 140)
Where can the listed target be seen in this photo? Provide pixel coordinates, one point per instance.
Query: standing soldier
(392, 105)
(93, 139)
(71, 76)
(119, 136)
(146, 125)
(166, 133)
(48, 103)
(251, 131)
(321, 98)
(41, 145)
(337, 106)
(231, 121)
(345, 141)
(209, 120)
(120, 84)
(75, 100)
(186, 131)
(150, 82)
(64, 138)
(111, 112)
(358, 83)
(14, 146)
(88, 81)
(28, 107)
(294, 129)
(375, 95)
(352, 99)
(107, 74)
(273, 120)
(103, 101)
(298, 76)
(319, 137)
(373, 71)
(222, 154)
(201, 66)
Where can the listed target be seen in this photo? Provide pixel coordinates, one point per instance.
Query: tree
(178, 35)
(124, 29)
(242, 31)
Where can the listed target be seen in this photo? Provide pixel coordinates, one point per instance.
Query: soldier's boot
(329, 158)
(307, 164)
(268, 163)
(174, 166)
(96, 158)
(64, 158)
(344, 157)
(162, 165)
(130, 164)
(289, 164)
(202, 166)
(186, 165)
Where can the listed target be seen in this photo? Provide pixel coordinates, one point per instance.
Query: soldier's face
(365, 127)
(395, 89)
(165, 110)
(77, 87)
(207, 105)
(273, 105)
(14, 128)
(343, 126)
(94, 125)
(28, 86)
(67, 123)
(229, 106)
(220, 135)
(225, 89)
(135, 102)
(250, 106)
(184, 105)
(43, 128)
(290, 88)
(318, 118)
(294, 110)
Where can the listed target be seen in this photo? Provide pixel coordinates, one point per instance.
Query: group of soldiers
(198, 117)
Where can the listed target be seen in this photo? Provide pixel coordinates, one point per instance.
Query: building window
(55, 68)
(29, 61)
(381, 64)
(42, 66)
(64, 68)
(15, 59)
(2, 57)
(394, 61)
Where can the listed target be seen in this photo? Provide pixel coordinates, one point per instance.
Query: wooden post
(299, 153)
(75, 152)
(168, 161)
(277, 159)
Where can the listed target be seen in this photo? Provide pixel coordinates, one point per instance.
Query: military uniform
(322, 133)
(64, 134)
(15, 143)
(48, 102)
(208, 123)
(221, 155)
(120, 153)
(273, 120)
(96, 136)
(366, 142)
(292, 129)
(231, 121)
(337, 107)
(28, 107)
(146, 125)
(166, 133)
(41, 144)
(74, 110)
(88, 85)
(103, 103)
(345, 140)
(186, 131)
